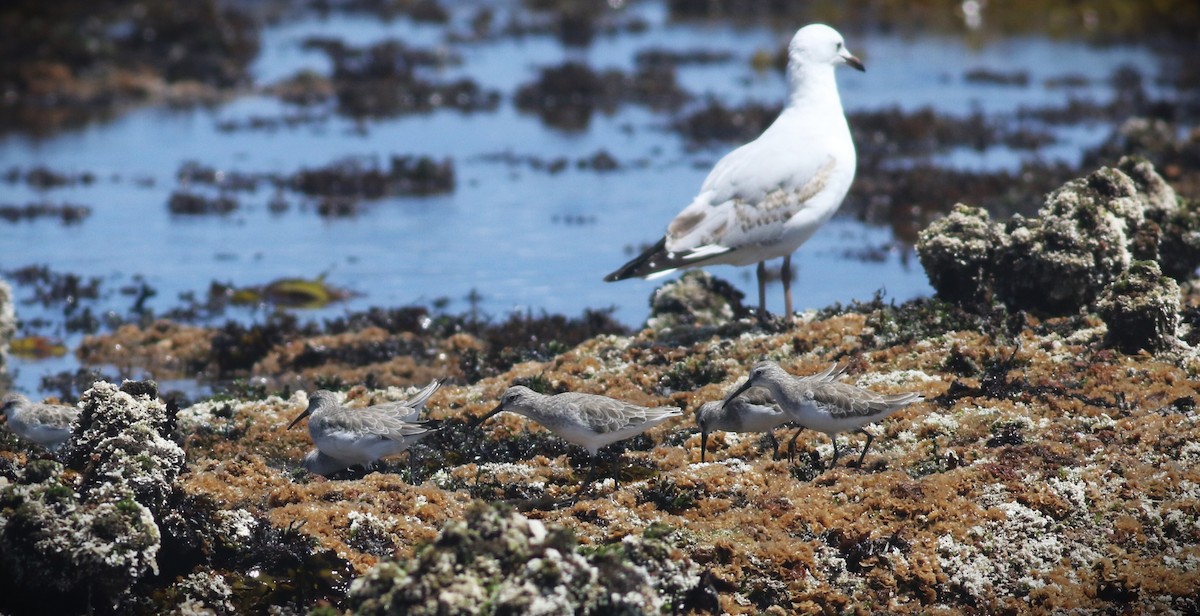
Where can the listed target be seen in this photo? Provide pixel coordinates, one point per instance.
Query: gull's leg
(786, 275)
(762, 290)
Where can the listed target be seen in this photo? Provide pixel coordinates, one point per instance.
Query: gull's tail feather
(658, 261)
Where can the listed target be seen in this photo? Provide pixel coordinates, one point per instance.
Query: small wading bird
(766, 198)
(753, 410)
(588, 420)
(830, 406)
(345, 437)
(48, 425)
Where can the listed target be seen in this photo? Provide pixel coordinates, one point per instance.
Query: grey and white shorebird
(346, 436)
(48, 425)
(588, 420)
(769, 196)
(752, 410)
(826, 405)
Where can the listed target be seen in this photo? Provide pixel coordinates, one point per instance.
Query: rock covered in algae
(957, 251)
(696, 299)
(123, 438)
(497, 561)
(1141, 309)
(1085, 237)
(88, 530)
(1079, 243)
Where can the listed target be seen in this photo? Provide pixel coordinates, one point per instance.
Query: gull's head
(818, 44)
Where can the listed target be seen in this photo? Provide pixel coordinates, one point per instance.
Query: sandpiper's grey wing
(759, 396)
(418, 400)
(384, 423)
(844, 400)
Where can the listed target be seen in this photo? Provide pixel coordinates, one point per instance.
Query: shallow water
(501, 232)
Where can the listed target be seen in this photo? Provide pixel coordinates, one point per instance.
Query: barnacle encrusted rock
(957, 250)
(696, 299)
(89, 530)
(1085, 237)
(498, 561)
(1141, 309)
(122, 439)
(54, 539)
(1079, 243)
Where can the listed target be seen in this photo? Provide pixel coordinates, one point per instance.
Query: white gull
(766, 198)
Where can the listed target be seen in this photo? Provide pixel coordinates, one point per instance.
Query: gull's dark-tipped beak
(488, 415)
(306, 413)
(703, 444)
(855, 63)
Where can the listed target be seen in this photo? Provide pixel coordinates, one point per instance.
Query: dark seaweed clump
(68, 62)
(66, 213)
(566, 96)
(385, 80)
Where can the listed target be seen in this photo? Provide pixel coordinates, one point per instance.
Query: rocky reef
(1054, 465)
(501, 559)
(1098, 244)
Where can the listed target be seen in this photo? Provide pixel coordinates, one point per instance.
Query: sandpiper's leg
(587, 481)
(865, 447)
(792, 444)
(836, 453)
(774, 444)
(762, 290)
(786, 275)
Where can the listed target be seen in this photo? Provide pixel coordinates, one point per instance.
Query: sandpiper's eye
(839, 46)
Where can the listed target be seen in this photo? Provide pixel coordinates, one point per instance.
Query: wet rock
(497, 561)
(193, 204)
(385, 80)
(1141, 309)
(957, 251)
(74, 61)
(67, 213)
(1084, 238)
(366, 179)
(1060, 261)
(716, 122)
(695, 299)
(90, 534)
(566, 96)
(999, 78)
(123, 439)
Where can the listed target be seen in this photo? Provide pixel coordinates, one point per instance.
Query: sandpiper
(345, 436)
(766, 198)
(753, 410)
(826, 405)
(48, 425)
(588, 420)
